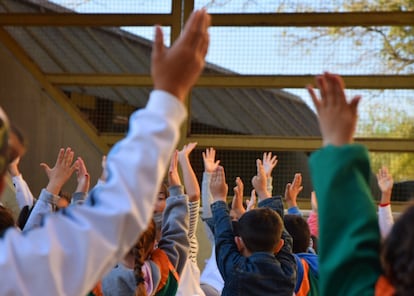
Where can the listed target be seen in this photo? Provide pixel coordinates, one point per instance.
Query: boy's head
(397, 256)
(298, 228)
(4, 153)
(260, 231)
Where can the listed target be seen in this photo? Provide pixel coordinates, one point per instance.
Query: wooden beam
(249, 81)
(383, 18)
(270, 143)
(335, 19)
(84, 19)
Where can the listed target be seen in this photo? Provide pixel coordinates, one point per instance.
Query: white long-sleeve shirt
(24, 196)
(73, 249)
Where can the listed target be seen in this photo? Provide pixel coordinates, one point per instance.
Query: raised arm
(83, 183)
(24, 196)
(269, 163)
(385, 218)
(349, 236)
(174, 232)
(75, 248)
(292, 191)
(58, 176)
(210, 165)
(192, 189)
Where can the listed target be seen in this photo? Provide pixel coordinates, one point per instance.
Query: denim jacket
(262, 273)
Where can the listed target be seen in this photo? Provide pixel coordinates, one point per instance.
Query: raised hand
(237, 203)
(218, 185)
(259, 181)
(61, 172)
(251, 203)
(173, 176)
(82, 176)
(176, 69)
(269, 163)
(185, 152)
(292, 190)
(210, 165)
(190, 179)
(337, 117)
(385, 183)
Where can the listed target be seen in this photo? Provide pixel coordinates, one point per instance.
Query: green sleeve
(348, 226)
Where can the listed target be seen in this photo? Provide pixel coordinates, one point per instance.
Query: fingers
(260, 168)
(252, 202)
(338, 86)
(158, 48)
(314, 97)
(60, 157)
(45, 167)
(68, 157)
(195, 30)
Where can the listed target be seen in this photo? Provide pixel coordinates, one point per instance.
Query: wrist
(382, 205)
(53, 188)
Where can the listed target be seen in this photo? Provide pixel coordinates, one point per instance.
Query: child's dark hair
(298, 228)
(397, 256)
(260, 229)
(6, 220)
(141, 251)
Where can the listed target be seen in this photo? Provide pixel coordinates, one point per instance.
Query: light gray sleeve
(206, 196)
(43, 207)
(174, 232)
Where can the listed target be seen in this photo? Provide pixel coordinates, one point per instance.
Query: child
(349, 237)
(258, 260)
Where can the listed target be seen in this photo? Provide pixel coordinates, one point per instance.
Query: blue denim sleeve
(227, 254)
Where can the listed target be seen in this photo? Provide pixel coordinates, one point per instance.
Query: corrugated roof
(114, 51)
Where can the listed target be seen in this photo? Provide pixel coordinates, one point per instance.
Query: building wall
(45, 124)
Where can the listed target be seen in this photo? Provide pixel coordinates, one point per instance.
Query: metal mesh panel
(295, 51)
(270, 6)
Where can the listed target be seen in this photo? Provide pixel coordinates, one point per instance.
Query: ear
(239, 243)
(279, 246)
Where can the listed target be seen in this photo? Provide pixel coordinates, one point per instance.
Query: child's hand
(218, 185)
(292, 190)
(269, 163)
(210, 165)
(337, 117)
(385, 183)
(237, 203)
(61, 172)
(259, 181)
(173, 176)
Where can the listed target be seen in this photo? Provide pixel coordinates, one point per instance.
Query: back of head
(397, 254)
(298, 228)
(17, 143)
(6, 220)
(260, 229)
(4, 138)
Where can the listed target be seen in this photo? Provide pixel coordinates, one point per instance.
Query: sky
(267, 50)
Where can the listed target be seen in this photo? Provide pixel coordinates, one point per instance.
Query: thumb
(45, 167)
(158, 47)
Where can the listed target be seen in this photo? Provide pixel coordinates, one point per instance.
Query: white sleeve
(73, 249)
(23, 194)
(206, 196)
(385, 220)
